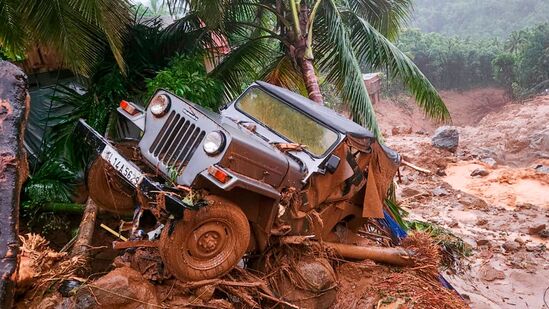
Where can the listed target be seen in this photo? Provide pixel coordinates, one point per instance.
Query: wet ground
(503, 215)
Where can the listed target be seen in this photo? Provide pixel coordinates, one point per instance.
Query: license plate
(123, 166)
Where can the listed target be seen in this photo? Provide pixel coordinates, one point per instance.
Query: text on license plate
(125, 168)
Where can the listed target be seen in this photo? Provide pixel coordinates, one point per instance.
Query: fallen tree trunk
(392, 256)
(85, 231)
(387, 255)
(14, 107)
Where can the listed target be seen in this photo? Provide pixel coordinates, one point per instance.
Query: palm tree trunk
(304, 60)
(311, 80)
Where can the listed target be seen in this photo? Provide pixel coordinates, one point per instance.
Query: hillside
(500, 215)
(479, 19)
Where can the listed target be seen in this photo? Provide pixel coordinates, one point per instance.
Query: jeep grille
(176, 142)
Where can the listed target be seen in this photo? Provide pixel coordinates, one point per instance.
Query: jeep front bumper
(128, 171)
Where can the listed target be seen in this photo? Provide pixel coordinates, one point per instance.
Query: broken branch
(415, 167)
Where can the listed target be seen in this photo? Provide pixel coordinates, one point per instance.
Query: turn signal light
(218, 174)
(128, 108)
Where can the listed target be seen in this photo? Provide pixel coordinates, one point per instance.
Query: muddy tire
(108, 190)
(208, 245)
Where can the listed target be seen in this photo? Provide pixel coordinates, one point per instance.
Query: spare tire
(108, 190)
(207, 245)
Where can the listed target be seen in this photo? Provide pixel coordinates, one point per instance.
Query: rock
(542, 169)
(490, 162)
(534, 247)
(516, 145)
(439, 191)
(408, 192)
(483, 242)
(472, 202)
(205, 293)
(526, 206)
(534, 230)
(440, 172)
(511, 246)
(319, 280)
(482, 222)
(401, 130)
(446, 137)
(480, 172)
(544, 234)
(489, 273)
(520, 240)
(121, 288)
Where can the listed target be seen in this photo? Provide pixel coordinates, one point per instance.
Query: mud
(13, 170)
(500, 215)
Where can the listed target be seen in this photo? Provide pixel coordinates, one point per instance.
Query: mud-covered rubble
(296, 276)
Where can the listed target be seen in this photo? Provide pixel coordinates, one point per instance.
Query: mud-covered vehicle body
(272, 163)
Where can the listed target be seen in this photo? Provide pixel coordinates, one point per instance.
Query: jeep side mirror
(331, 165)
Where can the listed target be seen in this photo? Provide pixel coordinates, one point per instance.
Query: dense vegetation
(478, 19)
(519, 63)
(59, 172)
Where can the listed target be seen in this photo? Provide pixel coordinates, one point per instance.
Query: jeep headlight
(160, 105)
(214, 143)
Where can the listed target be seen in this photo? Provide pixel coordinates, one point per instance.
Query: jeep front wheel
(209, 244)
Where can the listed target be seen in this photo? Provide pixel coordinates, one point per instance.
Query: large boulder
(122, 288)
(14, 102)
(446, 137)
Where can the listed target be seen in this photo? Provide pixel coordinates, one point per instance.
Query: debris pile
(294, 276)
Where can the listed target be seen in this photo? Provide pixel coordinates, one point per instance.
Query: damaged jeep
(221, 186)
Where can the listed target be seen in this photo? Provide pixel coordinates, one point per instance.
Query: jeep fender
(258, 200)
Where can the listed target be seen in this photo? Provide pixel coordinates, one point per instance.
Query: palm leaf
(53, 181)
(282, 72)
(79, 30)
(12, 33)
(112, 18)
(387, 16)
(373, 48)
(340, 63)
(244, 64)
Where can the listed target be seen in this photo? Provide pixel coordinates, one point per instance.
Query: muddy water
(505, 186)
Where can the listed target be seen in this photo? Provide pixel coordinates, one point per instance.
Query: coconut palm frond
(387, 17)
(282, 72)
(340, 63)
(112, 18)
(78, 30)
(244, 64)
(12, 35)
(373, 48)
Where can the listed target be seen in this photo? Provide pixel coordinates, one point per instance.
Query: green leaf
(341, 66)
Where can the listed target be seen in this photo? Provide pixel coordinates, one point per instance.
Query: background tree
(478, 19)
(79, 30)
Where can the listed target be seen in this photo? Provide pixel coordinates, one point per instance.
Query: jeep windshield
(286, 121)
